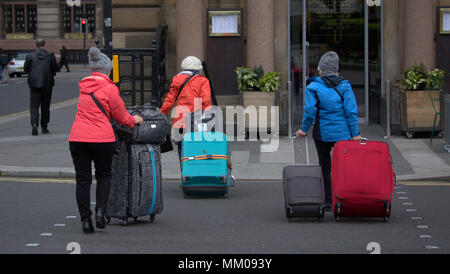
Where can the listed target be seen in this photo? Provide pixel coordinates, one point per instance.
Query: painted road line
(411, 210)
(60, 225)
(425, 236)
(24, 114)
(416, 218)
(46, 234)
(32, 244)
(423, 226)
(407, 204)
(71, 217)
(425, 183)
(37, 180)
(401, 192)
(431, 247)
(403, 198)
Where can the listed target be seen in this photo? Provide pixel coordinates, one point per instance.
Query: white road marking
(431, 247)
(401, 192)
(32, 244)
(423, 226)
(407, 204)
(59, 225)
(411, 210)
(416, 218)
(46, 234)
(403, 198)
(424, 236)
(71, 217)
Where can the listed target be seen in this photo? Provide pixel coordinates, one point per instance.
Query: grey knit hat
(329, 63)
(99, 62)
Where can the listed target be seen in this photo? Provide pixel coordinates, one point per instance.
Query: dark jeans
(40, 98)
(324, 153)
(83, 154)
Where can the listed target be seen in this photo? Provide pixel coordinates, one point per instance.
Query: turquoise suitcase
(205, 170)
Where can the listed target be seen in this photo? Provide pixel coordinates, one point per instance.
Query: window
(20, 18)
(72, 16)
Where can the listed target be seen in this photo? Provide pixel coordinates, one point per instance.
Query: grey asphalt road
(250, 221)
(15, 94)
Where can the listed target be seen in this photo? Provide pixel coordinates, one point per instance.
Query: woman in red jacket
(92, 137)
(197, 87)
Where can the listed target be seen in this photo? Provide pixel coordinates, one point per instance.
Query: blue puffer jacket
(336, 120)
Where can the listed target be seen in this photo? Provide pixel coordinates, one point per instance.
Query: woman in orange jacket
(197, 87)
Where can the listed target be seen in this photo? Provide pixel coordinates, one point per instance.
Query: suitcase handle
(293, 151)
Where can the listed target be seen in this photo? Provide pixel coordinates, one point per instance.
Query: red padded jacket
(198, 87)
(91, 125)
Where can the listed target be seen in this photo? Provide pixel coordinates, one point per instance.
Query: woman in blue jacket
(331, 106)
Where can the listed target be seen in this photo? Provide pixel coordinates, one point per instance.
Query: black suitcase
(303, 189)
(136, 183)
(152, 131)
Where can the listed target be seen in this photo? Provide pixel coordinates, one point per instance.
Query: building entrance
(352, 28)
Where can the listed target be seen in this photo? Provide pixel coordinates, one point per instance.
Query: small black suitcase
(303, 189)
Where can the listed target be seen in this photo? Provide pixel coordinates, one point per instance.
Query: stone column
(190, 29)
(260, 34)
(419, 30)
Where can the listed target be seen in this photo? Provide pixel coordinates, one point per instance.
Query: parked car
(15, 66)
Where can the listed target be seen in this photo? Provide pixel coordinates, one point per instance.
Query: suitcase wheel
(152, 218)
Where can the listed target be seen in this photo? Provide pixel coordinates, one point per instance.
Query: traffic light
(83, 25)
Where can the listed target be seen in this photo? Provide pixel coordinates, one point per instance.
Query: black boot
(34, 131)
(100, 220)
(86, 224)
(45, 130)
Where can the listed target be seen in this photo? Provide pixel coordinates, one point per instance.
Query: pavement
(48, 155)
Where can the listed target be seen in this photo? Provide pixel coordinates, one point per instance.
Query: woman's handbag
(167, 145)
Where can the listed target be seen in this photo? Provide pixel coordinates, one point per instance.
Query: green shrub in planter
(270, 82)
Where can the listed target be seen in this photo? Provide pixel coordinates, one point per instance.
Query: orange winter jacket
(198, 87)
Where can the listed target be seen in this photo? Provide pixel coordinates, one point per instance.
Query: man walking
(41, 67)
(63, 60)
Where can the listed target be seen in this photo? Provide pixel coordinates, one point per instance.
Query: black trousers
(62, 63)
(324, 153)
(83, 154)
(40, 98)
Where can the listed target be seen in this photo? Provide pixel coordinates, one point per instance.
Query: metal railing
(135, 58)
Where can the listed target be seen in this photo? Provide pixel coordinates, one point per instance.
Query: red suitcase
(362, 179)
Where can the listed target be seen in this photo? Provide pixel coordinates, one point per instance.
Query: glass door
(349, 27)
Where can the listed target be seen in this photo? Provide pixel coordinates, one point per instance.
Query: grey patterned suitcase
(303, 189)
(136, 186)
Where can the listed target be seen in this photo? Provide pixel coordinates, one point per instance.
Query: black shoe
(100, 221)
(45, 130)
(86, 224)
(34, 131)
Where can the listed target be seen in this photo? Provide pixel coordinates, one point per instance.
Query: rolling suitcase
(205, 169)
(362, 179)
(136, 185)
(303, 189)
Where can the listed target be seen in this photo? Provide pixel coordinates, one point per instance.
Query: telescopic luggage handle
(293, 151)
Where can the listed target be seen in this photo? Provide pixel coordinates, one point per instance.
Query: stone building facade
(390, 34)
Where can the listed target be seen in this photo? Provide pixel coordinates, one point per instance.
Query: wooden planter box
(258, 99)
(417, 112)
